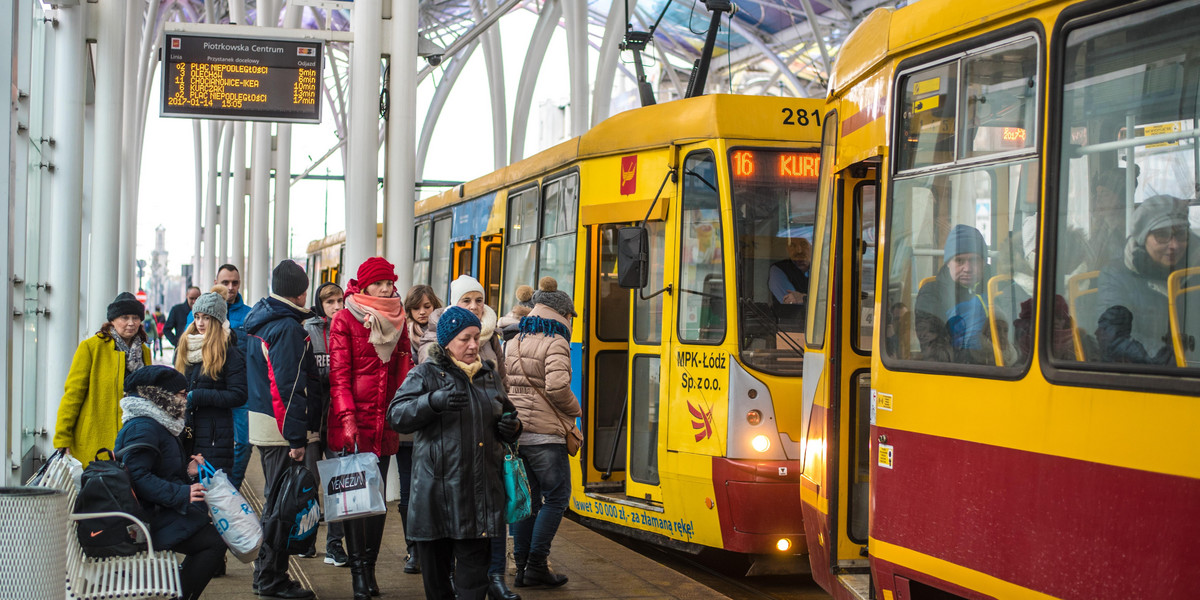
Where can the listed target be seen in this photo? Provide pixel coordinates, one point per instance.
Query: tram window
(440, 257)
(999, 98)
(774, 196)
(556, 252)
(648, 314)
(463, 259)
(422, 253)
(643, 459)
(612, 322)
(1127, 245)
(520, 262)
(961, 263)
(865, 202)
(609, 428)
(702, 259)
(928, 117)
(818, 283)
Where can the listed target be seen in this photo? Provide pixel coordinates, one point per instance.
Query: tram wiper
(770, 321)
(701, 178)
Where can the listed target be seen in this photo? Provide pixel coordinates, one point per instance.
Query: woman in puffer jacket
(369, 358)
(539, 384)
(455, 406)
(209, 357)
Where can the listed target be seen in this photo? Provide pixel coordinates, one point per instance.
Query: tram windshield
(774, 206)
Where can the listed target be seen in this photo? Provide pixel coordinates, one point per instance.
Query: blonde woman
(209, 357)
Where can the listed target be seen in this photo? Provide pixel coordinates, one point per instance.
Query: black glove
(448, 399)
(508, 425)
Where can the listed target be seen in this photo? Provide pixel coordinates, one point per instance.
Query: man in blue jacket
(278, 401)
(229, 276)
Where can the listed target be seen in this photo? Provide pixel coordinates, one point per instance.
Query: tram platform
(598, 567)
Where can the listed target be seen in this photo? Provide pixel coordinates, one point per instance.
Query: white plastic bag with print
(231, 514)
(353, 487)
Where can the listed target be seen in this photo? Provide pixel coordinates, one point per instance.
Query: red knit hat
(375, 269)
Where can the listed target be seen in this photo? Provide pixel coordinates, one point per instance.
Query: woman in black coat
(208, 355)
(455, 406)
(163, 477)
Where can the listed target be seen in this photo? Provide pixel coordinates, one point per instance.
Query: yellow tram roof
(890, 31)
(657, 126)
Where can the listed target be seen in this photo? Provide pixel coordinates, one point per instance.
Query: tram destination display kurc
(251, 79)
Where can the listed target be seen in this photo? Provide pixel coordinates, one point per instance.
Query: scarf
(544, 326)
(136, 406)
(383, 316)
(487, 325)
(195, 343)
(471, 370)
(133, 360)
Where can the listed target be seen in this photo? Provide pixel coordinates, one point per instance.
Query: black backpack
(290, 519)
(106, 487)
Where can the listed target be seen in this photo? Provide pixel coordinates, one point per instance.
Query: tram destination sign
(252, 79)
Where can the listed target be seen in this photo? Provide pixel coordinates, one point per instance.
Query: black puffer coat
(210, 406)
(458, 457)
(161, 482)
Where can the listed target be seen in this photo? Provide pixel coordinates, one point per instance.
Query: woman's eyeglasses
(1164, 235)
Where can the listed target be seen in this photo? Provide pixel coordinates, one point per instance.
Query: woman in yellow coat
(89, 414)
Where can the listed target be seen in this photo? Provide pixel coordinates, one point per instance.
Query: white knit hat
(459, 287)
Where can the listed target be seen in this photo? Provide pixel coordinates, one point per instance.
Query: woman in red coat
(369, 356)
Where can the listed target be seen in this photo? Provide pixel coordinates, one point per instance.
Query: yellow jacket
(89, 414)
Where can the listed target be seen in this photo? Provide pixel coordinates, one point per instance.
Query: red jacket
(362, 386)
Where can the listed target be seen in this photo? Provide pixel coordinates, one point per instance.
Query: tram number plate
(885, 456)
(801, 117)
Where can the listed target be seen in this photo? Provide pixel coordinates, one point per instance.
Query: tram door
(837, 377)
(463, 259)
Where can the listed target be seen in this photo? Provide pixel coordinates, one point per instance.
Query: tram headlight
(784, 544)
(754, 417)
(761, 443)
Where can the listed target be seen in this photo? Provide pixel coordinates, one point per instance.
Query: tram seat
(1175, 289)
(995, 296)
(1081, 300)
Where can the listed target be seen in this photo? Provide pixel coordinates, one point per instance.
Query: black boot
(374, 531)
(520, 560)
(498, 589)
(355, 541)
(538, 572)
(412, 564)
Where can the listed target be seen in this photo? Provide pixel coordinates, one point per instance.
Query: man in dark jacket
(958, 296)
(180, 316)
(278, 403)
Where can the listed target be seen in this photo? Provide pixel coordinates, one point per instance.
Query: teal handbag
(516, 487)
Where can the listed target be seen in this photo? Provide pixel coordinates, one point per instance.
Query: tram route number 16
(801, 117)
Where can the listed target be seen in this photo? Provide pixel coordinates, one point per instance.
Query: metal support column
(257, 276)
(223, 210)
(134, 16)
(577, 57)
(534, 55)
(197, 236)
(493, 57)
(106, 185)
(208, 261)
(610, 50)
(237, 198)
(283, 165)
(362, 178)
(66, 202)
(400, 176)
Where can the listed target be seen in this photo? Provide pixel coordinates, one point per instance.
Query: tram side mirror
(633, 257)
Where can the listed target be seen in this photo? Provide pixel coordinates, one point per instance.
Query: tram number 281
(801, 117)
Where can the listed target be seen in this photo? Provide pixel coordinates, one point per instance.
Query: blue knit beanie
(964, 239)
(453, 321)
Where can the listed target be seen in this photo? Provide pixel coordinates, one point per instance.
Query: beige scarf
(472, 369)
(384, 317)
(195, 343)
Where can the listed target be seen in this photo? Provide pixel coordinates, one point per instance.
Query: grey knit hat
(1157, 213)
(213, 305)
(549, 295)
(288, 279)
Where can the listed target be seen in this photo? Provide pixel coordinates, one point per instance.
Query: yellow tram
(1001, 374)
(689, 387)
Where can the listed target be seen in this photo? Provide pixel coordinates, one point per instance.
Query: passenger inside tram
(956, 300)
(788, 282)
(1134, 325)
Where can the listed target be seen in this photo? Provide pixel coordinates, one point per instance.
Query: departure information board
(249, 79)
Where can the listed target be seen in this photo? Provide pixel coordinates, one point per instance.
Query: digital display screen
(775, 165)
(249, 79)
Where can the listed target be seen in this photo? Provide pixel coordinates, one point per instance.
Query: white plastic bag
(231, 514)
(353, 487)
